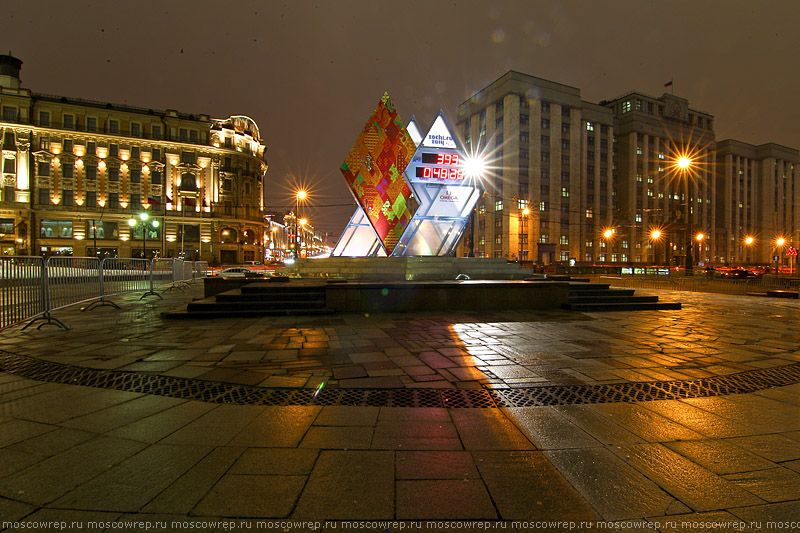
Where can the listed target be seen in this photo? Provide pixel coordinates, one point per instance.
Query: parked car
(234, 272)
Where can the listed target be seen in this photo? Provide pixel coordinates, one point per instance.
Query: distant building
(760, 195)
(564, 172)
(74, 172)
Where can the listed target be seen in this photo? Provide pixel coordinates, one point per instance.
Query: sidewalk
(110, 455)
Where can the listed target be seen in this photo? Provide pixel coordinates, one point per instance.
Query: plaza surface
(115, 456)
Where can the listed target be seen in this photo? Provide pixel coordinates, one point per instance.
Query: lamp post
(300, 240)
(143, 219)
(779, 242)
(699, 238)
(607, 234)
(655, 236)
(684, 164)
(749, 242)
(522, 253)
(301, 195)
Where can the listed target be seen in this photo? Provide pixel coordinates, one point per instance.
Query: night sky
(310, 73)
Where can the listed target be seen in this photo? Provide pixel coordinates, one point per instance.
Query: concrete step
(627, 306)
(612, 299)
(582, 286)
(237, 296)
(604, 292)
(253, 313)
(204, 305)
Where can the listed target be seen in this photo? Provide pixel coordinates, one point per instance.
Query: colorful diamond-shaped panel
(374, 171)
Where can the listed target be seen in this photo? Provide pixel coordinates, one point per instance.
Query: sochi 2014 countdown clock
(446, 194)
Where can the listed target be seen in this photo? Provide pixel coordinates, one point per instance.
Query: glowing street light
(779, 242)
(143, 219)
(655, 236)
(685, 164)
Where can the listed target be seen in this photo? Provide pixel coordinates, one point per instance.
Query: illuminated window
(564, 192)
(564, 240)
(638, 217)
(589, 126)
(542, 239)
(482, 209)
(589, 244)
(498, 205)
(638, 150)
(589, 213)
(522, 204)
(626, 106)
(498, 239)
(542, 206)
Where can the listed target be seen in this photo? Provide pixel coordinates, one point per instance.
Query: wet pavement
(128, 460)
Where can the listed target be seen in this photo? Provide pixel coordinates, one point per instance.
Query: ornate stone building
(83, 177)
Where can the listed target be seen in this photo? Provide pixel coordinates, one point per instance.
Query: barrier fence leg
(152, 291)
(49, 320)
(102, 301)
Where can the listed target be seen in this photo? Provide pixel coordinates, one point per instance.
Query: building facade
(759, 192)
(87, 178)
(601, 183)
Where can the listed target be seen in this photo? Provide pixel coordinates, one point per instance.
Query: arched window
(188, 182)
(228, 236)
(249, 236)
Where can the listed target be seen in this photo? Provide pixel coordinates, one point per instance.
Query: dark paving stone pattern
(235, 394)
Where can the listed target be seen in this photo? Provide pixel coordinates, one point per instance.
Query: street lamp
(143, 218)
(655, 236)
(684, 164)
(522, 253)
(607, 234)
(301, 195)
(303, 223)
(779, 242)
(699, 238)
(749, 240)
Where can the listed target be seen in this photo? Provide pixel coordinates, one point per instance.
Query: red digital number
(447, 159)
(426, 173)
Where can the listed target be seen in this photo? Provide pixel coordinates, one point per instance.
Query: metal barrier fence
(33, 287)
(703, 284)
(21, 289)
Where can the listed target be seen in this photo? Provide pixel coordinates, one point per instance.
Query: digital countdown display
(448, 167)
